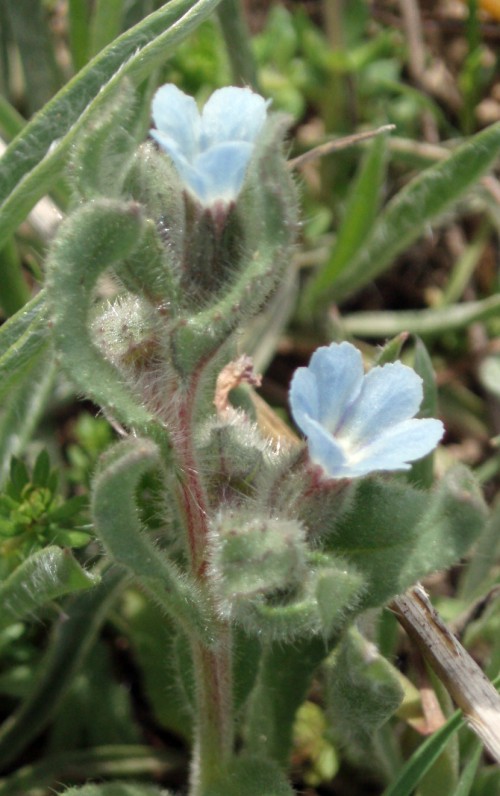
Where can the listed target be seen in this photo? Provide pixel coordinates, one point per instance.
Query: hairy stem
(214, 730)
(192, 496)
(212, 663)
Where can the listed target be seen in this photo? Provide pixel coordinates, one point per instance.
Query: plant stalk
(212, 664)
(214, 734)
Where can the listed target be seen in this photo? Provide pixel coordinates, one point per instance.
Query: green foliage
(118, 525)
(421, 201)
(284, 676)
(249, 775)
(33, 514)
(92, 436)
(22, 340)
(116, 789)
(99, 160)
(200, 61)
(395, 534)
(42, 577)
(27, 25)
(154, 647)
(84, 248)
(94, 691)
(362, 691)
(424, 757)
(360, 213)
(72, 637)
(311, 738)
(255, 556)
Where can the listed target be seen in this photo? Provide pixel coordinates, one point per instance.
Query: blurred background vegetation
(400, 240)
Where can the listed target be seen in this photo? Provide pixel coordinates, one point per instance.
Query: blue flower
(356, 424)
(211, 150)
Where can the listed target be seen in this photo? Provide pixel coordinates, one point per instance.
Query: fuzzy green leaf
(284, 676)
(43, 577)
(363, 690)
(395, 534)
(99, 160)
(23, 408)
(114, 789)
(118, 525)
(23, 339)
(251, 776)
(100, 234)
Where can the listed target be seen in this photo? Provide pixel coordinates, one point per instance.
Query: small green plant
(33, 514)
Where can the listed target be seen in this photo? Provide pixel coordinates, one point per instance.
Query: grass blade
(421, 322)
(359, 218)
(421, 761)
(23, 338)
(29, 25)
(420, 203)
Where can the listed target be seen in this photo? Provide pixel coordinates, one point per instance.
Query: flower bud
(253, 556)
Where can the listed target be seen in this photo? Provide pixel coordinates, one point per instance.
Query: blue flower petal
(171, 147)
(177, 116)
(224, 167)
(338, 369)
(232, 114)
(389, 394)
(356, 424)
(396, 447)
(211, 151)
(304, 396)
(324, 449)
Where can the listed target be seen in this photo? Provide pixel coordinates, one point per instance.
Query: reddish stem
(212, 665)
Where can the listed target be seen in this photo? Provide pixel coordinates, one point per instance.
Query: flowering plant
(254, 565)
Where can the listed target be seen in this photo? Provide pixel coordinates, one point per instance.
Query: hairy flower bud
(253, 556)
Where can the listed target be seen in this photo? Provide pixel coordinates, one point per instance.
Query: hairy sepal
(320, 606)
(252, 555)
(154, 269)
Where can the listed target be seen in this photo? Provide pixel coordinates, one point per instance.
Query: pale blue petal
(324, 449)
(211, 152)
(170, 146)
(395, 447)
(389, 395)
(304, 396)
(232, 114)
(187, 172)
(224, 167)
(338, 369)
(177, 116)
(357, 424)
